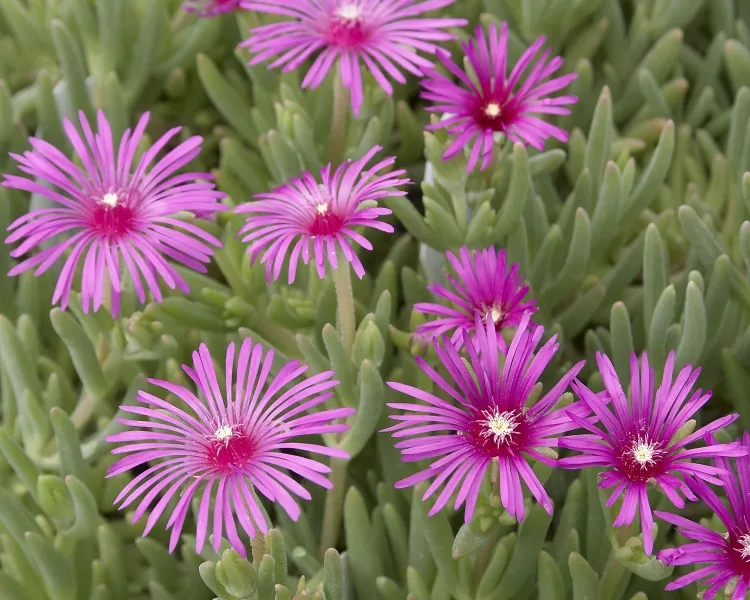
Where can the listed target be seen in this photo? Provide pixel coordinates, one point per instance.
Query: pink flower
(239, 436)
(498, 103)
(326, 214)
(483, 287)
(637, 444)
(483, 419)
(210, 8)
(726, 558)
(113, 213)
(385, 35)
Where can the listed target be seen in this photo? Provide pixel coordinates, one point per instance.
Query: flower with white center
(478, 423)
(718, 563)
(227, 443)
(385, 38)
(113, 217)
(481, 284)
(633, 438)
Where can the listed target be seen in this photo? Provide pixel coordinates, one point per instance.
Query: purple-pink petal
(110, 211)
(315, 220)
(231, 435)
(483, 421)
(497, 103)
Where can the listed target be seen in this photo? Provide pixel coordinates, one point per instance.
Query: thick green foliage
(634, 236)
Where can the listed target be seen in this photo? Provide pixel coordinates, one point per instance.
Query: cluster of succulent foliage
(633, 235)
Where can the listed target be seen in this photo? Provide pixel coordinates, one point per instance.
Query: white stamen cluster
(500, 426)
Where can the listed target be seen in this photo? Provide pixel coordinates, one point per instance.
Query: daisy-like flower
(210, 8)
(113, 213)
(227, 442)
(726, 557)
(636, 443)
(484, 287)
(495, 102)
(385, 35)
(325, 214)
(483, 419)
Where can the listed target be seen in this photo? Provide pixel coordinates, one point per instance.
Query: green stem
(278, 337)
(334, 505)
(345, 315)
(338, 119)
(346, 326)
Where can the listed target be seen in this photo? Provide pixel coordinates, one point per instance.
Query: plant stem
(277, 336)
(346, 326)
(345, 315)
(334, 505)
(338, 119)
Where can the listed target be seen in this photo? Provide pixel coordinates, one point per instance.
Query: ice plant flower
(227, 442)
(111, 213)
(495, 102)
(483, 286)
(324, 215)
(637, 443)
(726, 557)
(210, 8)
(483, 419)
(385, 35)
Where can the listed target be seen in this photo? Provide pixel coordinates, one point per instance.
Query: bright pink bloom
(637, 445)
(483, 287)
(385, 35)
(726, 557)
(483, 418)
(113, 213)
(326, 214)
(210, 8)
(499, 104)
(245, 434)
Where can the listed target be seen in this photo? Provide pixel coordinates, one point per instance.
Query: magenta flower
(112, 213)
(210, 8)
(726, 557)
(485, 421)
(385, 35)
(229, 441)
(326, 214)
(483, 287)
(497, 103)
(637, 444)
